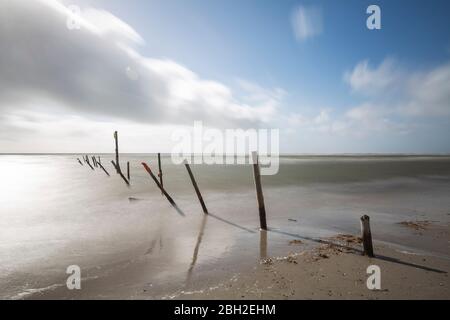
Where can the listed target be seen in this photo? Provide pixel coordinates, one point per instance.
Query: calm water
(55, 213)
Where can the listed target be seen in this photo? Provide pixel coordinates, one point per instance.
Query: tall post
(197, 190)
(259, 192)
(160, 172)
(366, 236)
(128, 170)
(116, 138)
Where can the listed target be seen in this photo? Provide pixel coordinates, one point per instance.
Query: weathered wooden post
(101, 166)
(121, 174)
(366, 236)
(79, 161)
(116, 138)
(263, 244)
(89, 164)
(169, 198)
(94, 161)
(160, 172)
(259, 192)
(197, 190)
(99, 161)
(128, 170)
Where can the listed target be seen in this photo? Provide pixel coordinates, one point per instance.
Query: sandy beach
(337, 270)
(334, 269)
(130, 243)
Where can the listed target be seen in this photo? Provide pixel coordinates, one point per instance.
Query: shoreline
(337, 270)
(333, 269)
(130, 243)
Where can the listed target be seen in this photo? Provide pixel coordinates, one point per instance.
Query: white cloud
(100, 22)
(406, 92)
(429, 93)
(367, 80)
(396, 102)
(322, 122)
(367, 118)
(37, 131)
(97, 72)
(306, 22)
(366, 113)
(108, 24)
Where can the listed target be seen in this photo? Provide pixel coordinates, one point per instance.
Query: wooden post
(116, 138)
(263, 244)
(99, 161)
(366, 236)
(169, 198)
(101, 166)
(160, 172)
(87, 161)
(94, 161)
(79, 161)
(128, 170)
(121, 174)
(197, 190)
(259, 192)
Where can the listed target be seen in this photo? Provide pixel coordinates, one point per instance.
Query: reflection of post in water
(153, 245)
(263, 244)
(197, 246)
(160, 230)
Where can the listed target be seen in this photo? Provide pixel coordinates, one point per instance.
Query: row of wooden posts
(96, 162)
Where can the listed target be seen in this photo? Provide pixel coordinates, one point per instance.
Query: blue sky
(254, 39)
(309, 82)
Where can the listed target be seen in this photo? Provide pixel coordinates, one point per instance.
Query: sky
(311, 69)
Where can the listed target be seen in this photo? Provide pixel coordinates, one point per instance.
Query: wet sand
(334, 268)
(338, 270)
(131, 244)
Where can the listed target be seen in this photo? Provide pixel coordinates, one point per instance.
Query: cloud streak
(307, 22)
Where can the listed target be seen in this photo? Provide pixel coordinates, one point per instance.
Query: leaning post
(169, 198)
(160, 172)
(197, 190)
